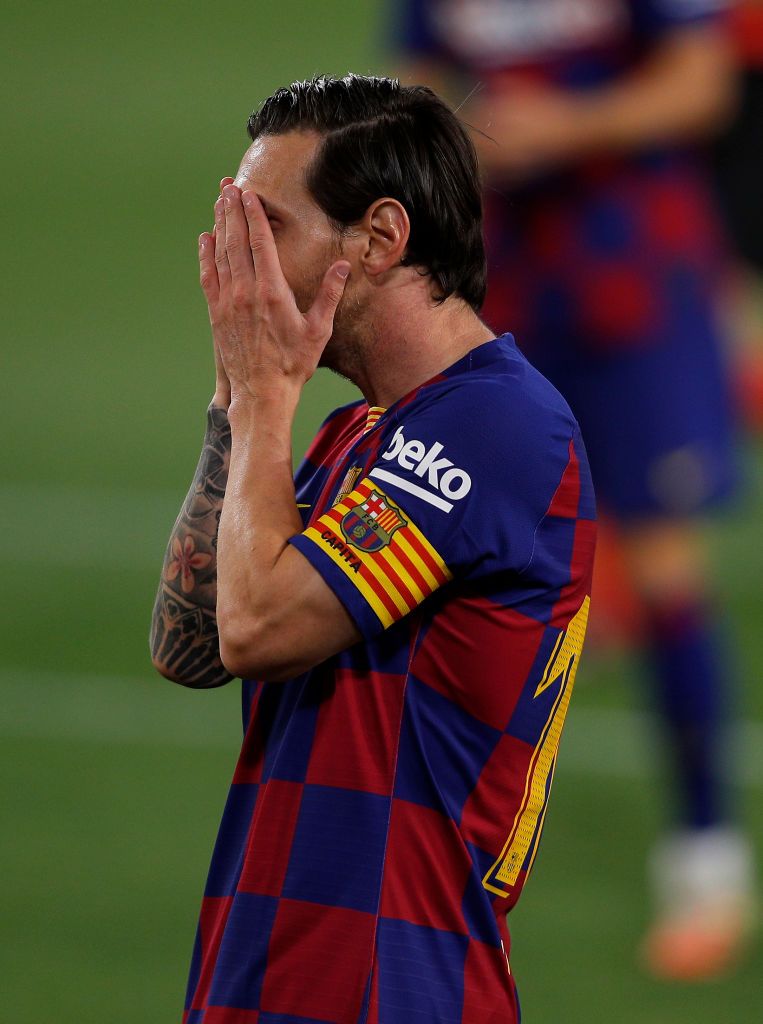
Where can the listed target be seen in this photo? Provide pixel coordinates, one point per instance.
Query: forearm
(682, 93)
(184, 636)
(259, 517)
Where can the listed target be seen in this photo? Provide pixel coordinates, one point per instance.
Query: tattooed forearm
(184, 640)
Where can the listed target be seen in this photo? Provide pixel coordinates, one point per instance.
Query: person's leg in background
(658, 425)
(701, 871)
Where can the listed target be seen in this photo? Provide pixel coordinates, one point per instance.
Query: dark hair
(385, 139)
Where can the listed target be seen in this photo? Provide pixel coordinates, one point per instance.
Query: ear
(387, 231)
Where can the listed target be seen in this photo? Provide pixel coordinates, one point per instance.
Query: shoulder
(497, 439)
(505, 409)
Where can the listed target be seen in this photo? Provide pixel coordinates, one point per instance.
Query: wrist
(279, 391)
(273, 403)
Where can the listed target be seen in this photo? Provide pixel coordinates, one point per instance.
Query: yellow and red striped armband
(379, 549)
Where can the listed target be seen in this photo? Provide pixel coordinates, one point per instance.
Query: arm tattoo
(184, 641)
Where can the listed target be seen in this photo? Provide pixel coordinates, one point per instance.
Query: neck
(403, 345)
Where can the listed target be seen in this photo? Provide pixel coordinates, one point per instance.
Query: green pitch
(121, 120)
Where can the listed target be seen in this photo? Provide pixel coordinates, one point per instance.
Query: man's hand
(262, 338)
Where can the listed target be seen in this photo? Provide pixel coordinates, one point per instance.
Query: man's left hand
(262, 337)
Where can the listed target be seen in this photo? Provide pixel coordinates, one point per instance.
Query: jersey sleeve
(457, 492)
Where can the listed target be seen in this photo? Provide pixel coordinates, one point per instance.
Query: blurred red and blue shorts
(608, 278)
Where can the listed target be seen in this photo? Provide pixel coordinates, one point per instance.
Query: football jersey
(387, 805)
(604, 253)
(568, 42)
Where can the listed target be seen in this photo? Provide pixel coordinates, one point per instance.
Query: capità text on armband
(342, 550)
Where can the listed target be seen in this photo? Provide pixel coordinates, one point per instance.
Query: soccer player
(407, 613)
(604, 257)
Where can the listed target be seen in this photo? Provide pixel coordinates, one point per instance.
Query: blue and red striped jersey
(387, 805)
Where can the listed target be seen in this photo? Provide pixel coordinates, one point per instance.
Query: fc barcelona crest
(370, 525)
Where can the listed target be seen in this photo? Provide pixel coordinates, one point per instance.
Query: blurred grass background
(118, 123)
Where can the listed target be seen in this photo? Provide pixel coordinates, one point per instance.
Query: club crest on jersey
(370, 525)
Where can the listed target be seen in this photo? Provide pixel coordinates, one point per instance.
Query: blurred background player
(605, 259)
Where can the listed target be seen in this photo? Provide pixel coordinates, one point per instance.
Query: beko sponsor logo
(450, 483)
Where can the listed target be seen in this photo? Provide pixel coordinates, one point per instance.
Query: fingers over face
(261, 242)
(321, 313)
(207, 268)
(237, 237)
(223, 183)
(221, 256)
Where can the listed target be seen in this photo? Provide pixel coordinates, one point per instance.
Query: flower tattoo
(185, 559)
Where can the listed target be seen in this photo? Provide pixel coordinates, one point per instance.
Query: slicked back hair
(383, 139)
